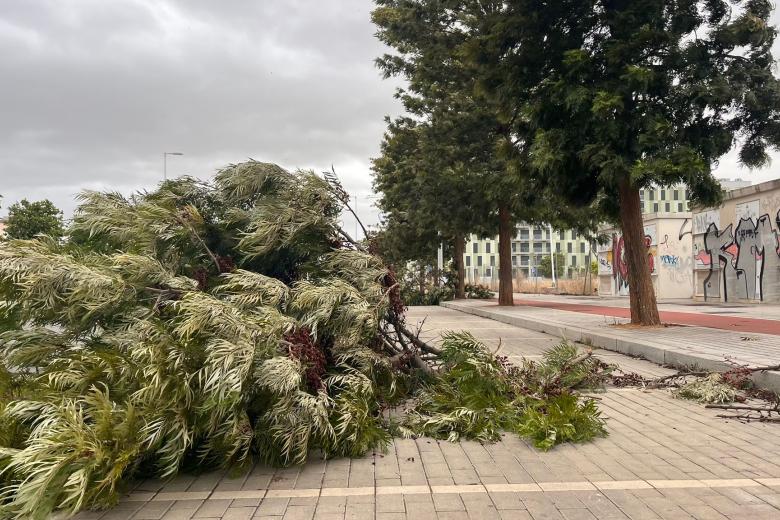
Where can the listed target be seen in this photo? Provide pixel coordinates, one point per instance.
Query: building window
(655, 207)
(537, 247)
(663, 195)
(487, 247)
(679, 206)
(667, 207)
(524, 234)
(573, 235)
(676, 195)
(468, 261)
(557, 247)
(488, 272)
(537, 234)
(514, 260)
(479, 261)
(524, 260)
(568, 247)
(652, 195)
(493, 260)
(475, 247)
(582, 247)
(524, 248)
(514, 247)
(573, 260)
(642, 205)
(642, 194)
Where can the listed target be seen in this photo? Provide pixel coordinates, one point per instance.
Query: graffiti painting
(738, 257)
(620, 270)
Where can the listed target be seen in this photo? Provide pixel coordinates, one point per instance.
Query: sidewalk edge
(634, 348)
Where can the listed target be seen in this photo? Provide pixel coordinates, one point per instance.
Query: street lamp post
(165, 163)
(552, 254)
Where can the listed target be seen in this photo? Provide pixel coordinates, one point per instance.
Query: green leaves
(137, 347)
(478, 396)
(28, 219)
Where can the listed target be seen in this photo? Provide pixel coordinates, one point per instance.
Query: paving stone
(239, 513)
(299, 513)
(153, 510)
(212, 508)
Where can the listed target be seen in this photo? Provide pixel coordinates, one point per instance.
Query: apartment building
(532, 243)
(673, 199)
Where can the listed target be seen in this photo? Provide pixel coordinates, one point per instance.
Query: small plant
(478, 291)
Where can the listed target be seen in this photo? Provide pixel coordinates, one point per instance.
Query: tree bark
(644, 309)
(460, 250)
(505, 234)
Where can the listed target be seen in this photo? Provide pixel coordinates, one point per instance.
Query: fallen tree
(226, 323)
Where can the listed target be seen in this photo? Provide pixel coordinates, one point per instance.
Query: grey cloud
(93, 92)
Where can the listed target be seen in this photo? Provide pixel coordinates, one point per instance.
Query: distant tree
(465, 172)
(545, 269)
(631, 94)
(426, 197)
(28, 219)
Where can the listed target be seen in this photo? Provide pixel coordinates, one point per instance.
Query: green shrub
(478, 291)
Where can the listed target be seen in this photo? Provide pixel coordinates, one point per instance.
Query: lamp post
(165, 163)
(552, 254)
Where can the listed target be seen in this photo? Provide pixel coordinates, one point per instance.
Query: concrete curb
(657, 354)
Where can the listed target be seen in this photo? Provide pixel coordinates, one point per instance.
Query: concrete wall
(735, 246)
(669, 249)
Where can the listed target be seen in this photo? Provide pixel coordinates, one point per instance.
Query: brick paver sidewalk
(664, 458)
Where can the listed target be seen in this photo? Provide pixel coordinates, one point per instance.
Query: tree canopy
(28, 219)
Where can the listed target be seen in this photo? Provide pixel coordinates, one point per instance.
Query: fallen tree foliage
(227, 323)
(712, 388)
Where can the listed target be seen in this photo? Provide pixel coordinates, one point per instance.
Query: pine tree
(631, 93)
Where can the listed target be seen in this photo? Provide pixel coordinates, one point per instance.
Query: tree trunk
(421, 279)
(644, 309)
(460, 250)
(505, 234)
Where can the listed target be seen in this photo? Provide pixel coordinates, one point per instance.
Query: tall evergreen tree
(464, 132)
(632, 93)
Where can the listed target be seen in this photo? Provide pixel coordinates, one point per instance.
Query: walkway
(664, 458)
(604, 324)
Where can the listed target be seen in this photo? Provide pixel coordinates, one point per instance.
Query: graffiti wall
(741, 257)
(669, 255)
(736, 248)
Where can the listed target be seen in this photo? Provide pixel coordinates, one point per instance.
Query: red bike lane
(697, 319)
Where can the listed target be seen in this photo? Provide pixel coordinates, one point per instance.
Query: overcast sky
(94, 91)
